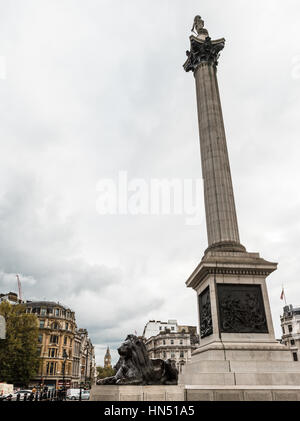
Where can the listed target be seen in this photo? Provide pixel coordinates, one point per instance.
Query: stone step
(278, 355)
(208, 366)
(257, 379)
(221, 379)
(265, 366)
(279, 378)
(242, 393)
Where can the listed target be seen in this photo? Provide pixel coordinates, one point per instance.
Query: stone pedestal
(237, 348)
(137, 393)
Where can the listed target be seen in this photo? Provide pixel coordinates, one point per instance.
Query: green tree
(103, 372)
(19, 357)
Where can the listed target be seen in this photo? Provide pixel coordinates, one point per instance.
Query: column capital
(203, 51)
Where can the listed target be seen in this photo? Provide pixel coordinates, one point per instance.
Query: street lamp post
(41, 386)
(65, 356)
(86, 363)
(85, 371)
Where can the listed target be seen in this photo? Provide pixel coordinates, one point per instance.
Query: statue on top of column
(203, 48)
(198, 27)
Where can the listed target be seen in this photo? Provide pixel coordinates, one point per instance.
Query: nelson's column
(238, 357)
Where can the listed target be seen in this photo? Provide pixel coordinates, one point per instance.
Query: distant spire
(107, 358)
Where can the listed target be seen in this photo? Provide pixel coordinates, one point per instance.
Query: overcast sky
(89, 88)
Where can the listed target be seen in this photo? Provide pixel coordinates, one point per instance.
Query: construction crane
(19, 287)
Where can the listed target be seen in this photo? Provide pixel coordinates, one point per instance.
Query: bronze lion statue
(136, 368)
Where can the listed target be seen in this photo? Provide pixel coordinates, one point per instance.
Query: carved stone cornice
(231, 264)
(203, 51)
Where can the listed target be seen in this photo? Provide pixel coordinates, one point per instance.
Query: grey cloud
(97, 87)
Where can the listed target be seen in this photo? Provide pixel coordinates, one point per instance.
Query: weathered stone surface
(130, 397)
(221, 219)
(242, 393)
(228, 395)
(286, 395)
(137, 393)
(200, 395)
(258, 395)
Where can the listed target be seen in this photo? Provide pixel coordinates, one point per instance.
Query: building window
(43, 311)
(165, 354)
(51, 368)
(52, 352)
(283, 331)
(65, 340)
(40, 339)
(56, 312)
(172, 328)
(42, 324)
(181, 354)
(55, 326)
(67, 326)
(295, 356)
(290, 327)
(172, 354)
(159, 327)
(164, 342)
(292, 342)
(54, 339)
(181, 342)
(172, 342)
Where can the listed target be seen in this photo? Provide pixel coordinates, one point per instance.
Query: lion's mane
(135, 367)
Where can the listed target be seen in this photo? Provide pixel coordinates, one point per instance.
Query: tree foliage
(103, 372)
(19, 357)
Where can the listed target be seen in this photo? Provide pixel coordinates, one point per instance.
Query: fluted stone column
(221, 219)
(237, 341)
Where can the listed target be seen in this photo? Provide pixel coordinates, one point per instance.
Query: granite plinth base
(242, 364)
(137, 393)
(242, 372)
(242, 393)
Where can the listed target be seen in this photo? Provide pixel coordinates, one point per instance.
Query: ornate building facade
(168, 340)
(56, 340)
(290, 325)
(88, 372)
(10, 297)
(66, 353)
